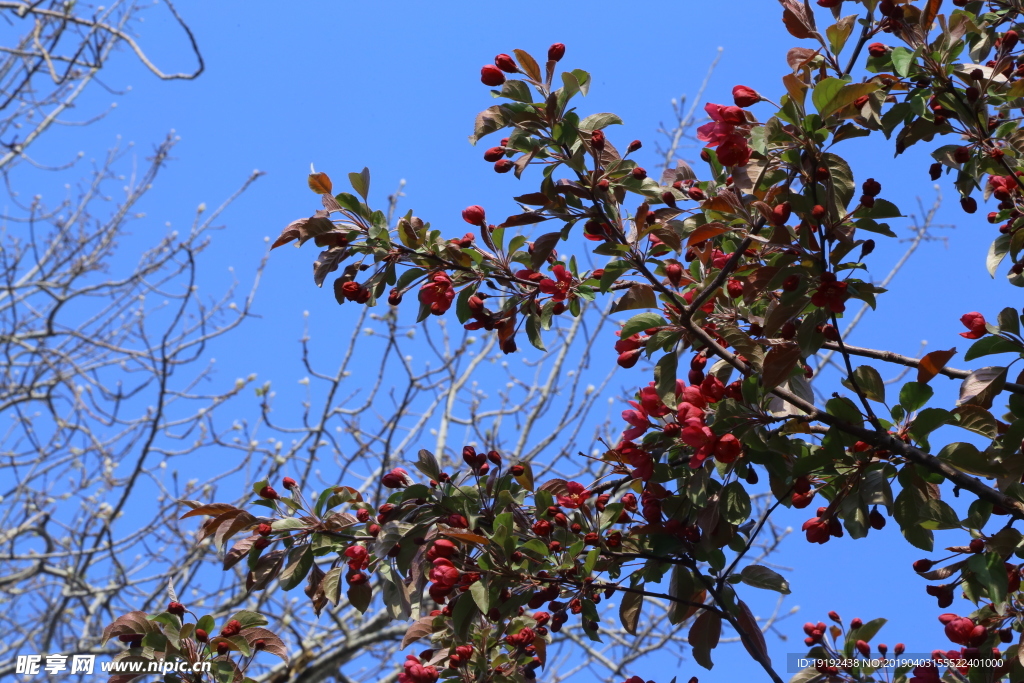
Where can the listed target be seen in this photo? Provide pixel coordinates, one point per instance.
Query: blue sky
(394, 86)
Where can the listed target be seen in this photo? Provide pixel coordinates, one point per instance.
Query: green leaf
(996, 252)
(665, 379)
(599, 121)
(988, 568)
(846, 96)
(991, 344)
(914, 395)
(1008, 320)
(869, 381)
(359, 596)
(938, 515)
(927, 421)
(844, 409)
(682, 585)
(967, 458)
(982, 386)
(883, 208)
(248, 619)
(488, 121)
(902, 58)
(762, 577)
(480, 595)
(300, 559)
(641, 322)
(735, 506)
(533, 332)
(361, 182)
(630, 608)
(866, 632)
(516, 90)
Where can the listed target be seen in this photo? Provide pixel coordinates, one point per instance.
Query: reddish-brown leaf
(272, 643)
(212, 509)
(421, 628)
(462, 535)
(305, 229)
(930, 365)
(799, 22)
(779, 363)
(706, 232)
(542, 248)
(797, 57)
(931, 11)
(239, 550)
(703, 637)
(130, 624)
(756, 647)
(556, 487)
(320, 183)
(637, 296)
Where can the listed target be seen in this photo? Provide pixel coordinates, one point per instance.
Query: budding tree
(730, 278)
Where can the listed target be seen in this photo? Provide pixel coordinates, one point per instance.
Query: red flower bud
(503, 165)
(669, 198)
(962, 155)
(863, 648)
(871, 187)
(744, 96)
(289, 483)
(232, 628)
(556, 52)
(176, 608)
(491, 75)
(506, 63)
(597, 140)
(494, 154)
(877, 50)
(395, 479)
(474, 215)
(969, 204)
(201, 635)
(268, 492)
(639, 173)
(781, 213)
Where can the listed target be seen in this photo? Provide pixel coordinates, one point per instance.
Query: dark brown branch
(890, 357)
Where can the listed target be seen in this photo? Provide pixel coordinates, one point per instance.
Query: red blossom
(831, 293)
(651, 403)
(576, 496)
(358, 557)
(437, 293)
(558, 288)
(416, 672)
(817, 530)
(975, 323)
(443, 572)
